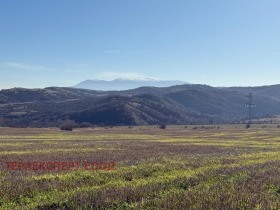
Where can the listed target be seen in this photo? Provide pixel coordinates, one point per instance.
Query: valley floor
(193, 167)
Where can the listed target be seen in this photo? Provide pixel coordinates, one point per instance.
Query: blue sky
(62, 42)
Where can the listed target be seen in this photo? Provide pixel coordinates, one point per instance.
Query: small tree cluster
(68, 125)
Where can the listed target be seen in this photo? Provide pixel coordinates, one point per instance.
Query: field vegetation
(179, 167)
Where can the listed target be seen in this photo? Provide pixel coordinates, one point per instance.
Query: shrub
(86, 125)
(162, 126)
(247, 125)
(68, 125)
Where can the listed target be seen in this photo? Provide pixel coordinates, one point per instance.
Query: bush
(247, 125)
(162, 126)
(68, 125)
(86, 125)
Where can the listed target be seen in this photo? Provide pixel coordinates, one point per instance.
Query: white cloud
(25, 66)
(73, 71)
(124, 75)
(80, 65)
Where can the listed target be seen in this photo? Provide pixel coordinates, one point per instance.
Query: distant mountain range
(125, 84)
(180, 104)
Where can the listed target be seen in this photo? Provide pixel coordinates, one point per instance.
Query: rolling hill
(180, 104)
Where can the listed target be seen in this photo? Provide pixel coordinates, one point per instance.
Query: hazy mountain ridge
(180, 104)
(124, 84)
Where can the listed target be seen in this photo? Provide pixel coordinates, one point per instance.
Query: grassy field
(225, 167)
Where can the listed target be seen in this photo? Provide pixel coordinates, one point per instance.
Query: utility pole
(250, 105)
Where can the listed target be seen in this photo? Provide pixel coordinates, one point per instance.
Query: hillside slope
(137, 110)
(271, 91)
(180, 104)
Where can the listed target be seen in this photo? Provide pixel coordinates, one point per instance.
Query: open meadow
(194, 167)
